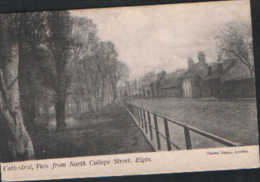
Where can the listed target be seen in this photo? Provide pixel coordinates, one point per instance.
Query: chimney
(190, 63)
(220, 68)
(209, 71)
(201, 57)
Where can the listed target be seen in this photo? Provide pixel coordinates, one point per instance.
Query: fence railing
(155, 127)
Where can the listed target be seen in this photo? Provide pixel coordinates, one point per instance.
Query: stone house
(193, 78)
(228, 78)
(236, 80)
(211, 83)
(171, 85)
(147, 91)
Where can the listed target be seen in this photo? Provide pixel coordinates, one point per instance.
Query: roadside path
(110, 131)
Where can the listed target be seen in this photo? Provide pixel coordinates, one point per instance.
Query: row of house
(223, 79)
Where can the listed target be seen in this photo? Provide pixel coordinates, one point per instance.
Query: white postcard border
(227, 158)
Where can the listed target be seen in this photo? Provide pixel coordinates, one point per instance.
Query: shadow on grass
(109, 131)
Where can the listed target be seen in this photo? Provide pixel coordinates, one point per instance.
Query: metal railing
(148, 122)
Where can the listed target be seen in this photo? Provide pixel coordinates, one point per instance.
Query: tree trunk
(90, 104)
(114, 90)
(18, 140)
(60, 113)
(96, 103)
(46, 112)
(78, 107)
(89, 99)
(114, 93)
(60, 105)
(103, 94)
(29, 115)
(26, 85)
(5, 151)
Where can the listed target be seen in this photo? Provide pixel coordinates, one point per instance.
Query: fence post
(130, 107)
(150, 125)
(145, 122)
(187, 138)
(137, 115)
(141, 117)
(167, 134)
(157, 132)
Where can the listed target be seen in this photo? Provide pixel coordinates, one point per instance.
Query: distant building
(193, 77)
(147, 92)
(227, 79)
(212, 81)
(221, 79)
(236, 80)
(171, 86)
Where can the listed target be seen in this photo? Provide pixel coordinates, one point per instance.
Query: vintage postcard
(127, 91)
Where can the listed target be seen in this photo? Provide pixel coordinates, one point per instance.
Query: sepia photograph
(159, 78)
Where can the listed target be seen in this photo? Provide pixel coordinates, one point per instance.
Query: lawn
(233, 120)
(110, 131)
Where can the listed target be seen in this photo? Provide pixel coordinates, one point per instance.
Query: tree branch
(242, 60)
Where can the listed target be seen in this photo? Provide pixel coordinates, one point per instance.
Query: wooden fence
(156, 128)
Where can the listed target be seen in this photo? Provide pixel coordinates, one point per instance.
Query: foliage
(234, 41)
(56, 59)
(96, 68)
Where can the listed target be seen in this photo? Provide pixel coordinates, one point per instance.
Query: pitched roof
(216, 71)
(173, 80)
(198, 69)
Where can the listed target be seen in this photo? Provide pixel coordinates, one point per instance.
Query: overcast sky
(160, 37)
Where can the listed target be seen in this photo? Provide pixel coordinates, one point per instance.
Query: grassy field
(110, 131)
(233, 120)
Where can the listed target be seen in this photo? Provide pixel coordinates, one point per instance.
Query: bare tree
(235, 41)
